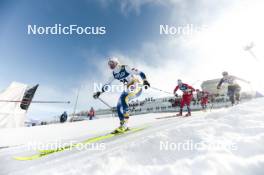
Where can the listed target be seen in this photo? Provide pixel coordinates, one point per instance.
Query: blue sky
(48, 58)
(62, 64)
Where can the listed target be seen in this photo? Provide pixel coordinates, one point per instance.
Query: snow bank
(233, 140)
(227, 141)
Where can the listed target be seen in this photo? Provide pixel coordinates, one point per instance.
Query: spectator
(91, 113)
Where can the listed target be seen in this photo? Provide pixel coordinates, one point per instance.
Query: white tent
(11, 115)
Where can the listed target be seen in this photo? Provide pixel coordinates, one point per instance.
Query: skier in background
(91, 113)
(198, 96)
(130, 78)
(186, 97)
(203, 98)
(233, 89)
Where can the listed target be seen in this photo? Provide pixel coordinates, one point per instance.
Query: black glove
(146, 84)
(176, 95)
(96, 95)
(218, 87)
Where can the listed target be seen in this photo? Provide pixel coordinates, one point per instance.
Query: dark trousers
(233, 91)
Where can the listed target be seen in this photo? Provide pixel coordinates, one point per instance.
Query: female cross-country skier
(133, 88)
(233, 88)
(186, 96)
(203, 98)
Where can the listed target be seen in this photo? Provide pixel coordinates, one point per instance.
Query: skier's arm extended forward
(190, 88)
(245, 81)
(220, 83)
(104, 88)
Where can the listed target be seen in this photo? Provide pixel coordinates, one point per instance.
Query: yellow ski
(42, 153)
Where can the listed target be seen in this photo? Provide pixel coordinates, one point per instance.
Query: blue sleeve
(142, 75)
(108, 83)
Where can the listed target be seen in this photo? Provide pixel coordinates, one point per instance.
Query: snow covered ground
(224, 141)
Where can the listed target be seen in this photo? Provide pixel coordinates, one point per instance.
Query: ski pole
(105, 103)
(110, 107)
(76, 102)
(157, 89)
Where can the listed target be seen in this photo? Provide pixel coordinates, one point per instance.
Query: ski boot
(188, 114)
(122, 128)
(179, 114)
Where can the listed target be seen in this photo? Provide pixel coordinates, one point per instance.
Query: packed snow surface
(224, 141)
